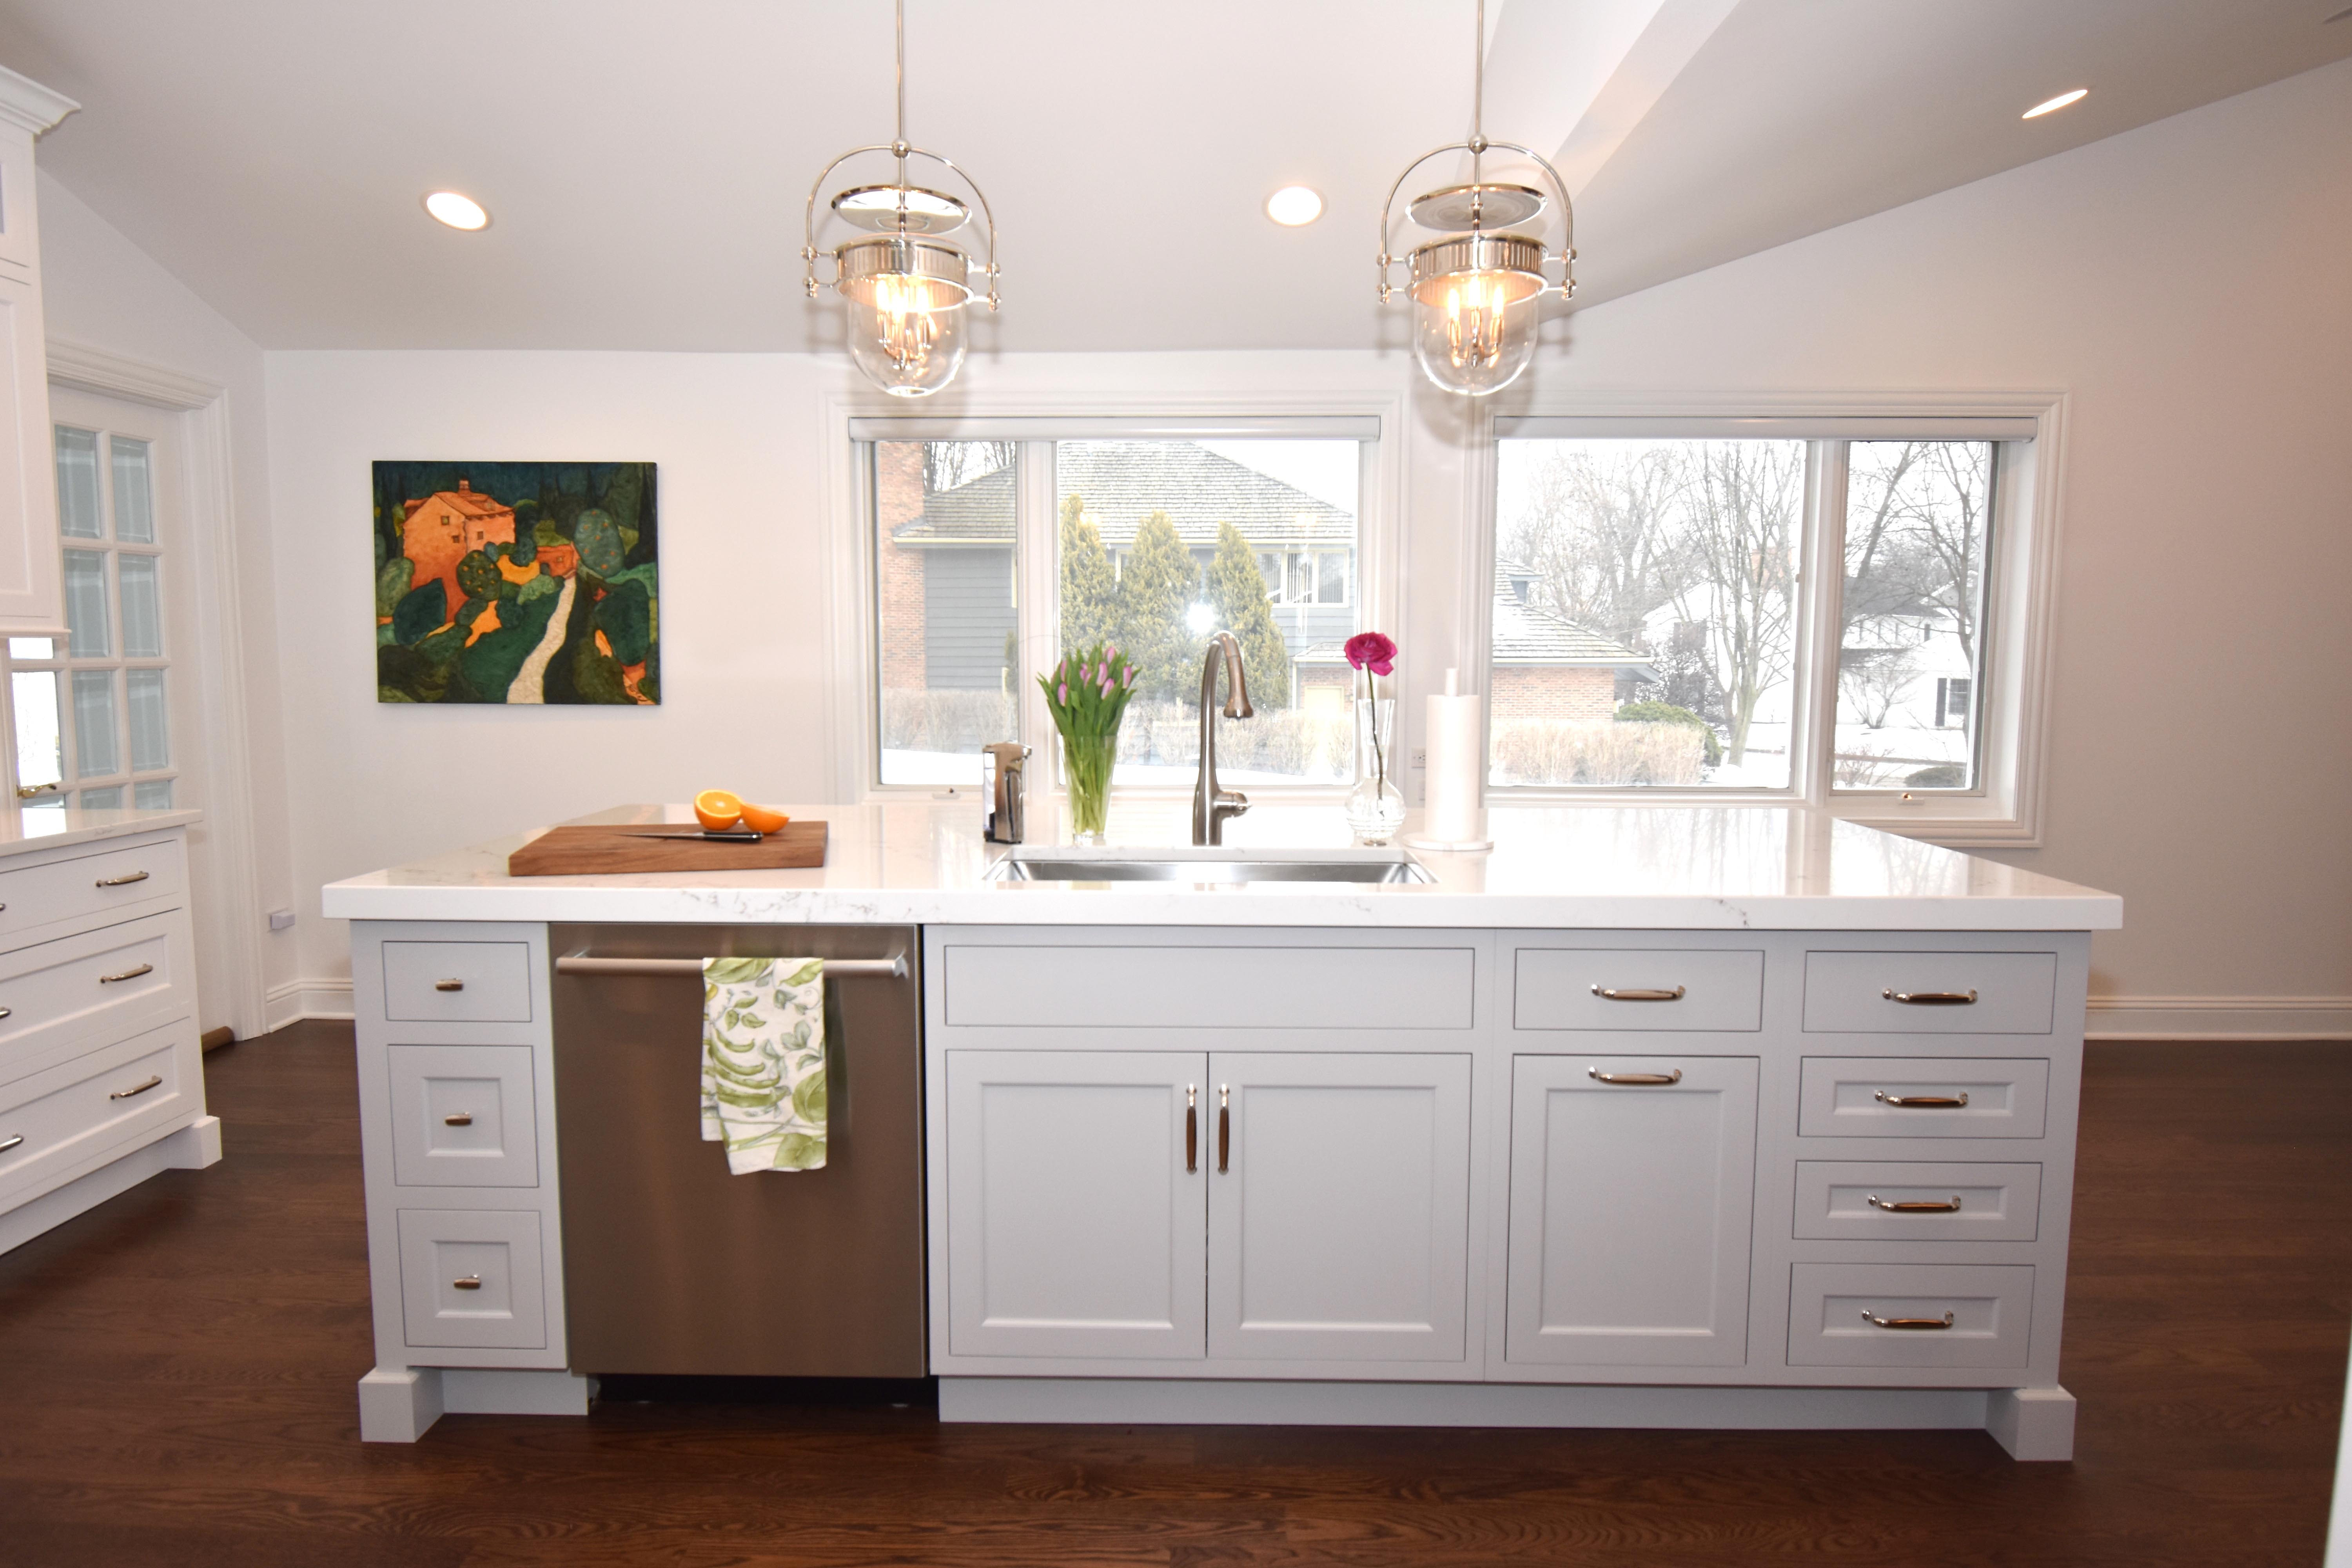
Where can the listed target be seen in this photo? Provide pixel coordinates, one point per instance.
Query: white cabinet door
(1631, 1207)
(31, 596)
(1339, 1216)
(1074, 1227)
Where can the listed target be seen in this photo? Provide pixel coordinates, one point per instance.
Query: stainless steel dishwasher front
(671, 1264)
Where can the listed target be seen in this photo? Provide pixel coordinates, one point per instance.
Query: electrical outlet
(1420, 756)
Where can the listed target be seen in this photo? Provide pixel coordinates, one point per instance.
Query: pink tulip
(1105, 686)
(1066, 694)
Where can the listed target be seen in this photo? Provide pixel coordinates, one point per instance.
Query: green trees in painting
(520, 583)
(1237, 592)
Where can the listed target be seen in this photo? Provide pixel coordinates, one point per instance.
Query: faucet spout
(1211, 804)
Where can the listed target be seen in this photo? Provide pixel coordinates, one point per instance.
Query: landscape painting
(520, 583)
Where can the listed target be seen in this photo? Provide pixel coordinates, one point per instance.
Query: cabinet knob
(470, 1282)
(448, 985)
(466, 1119)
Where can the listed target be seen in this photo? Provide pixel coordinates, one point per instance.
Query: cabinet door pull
(1191, 1128)
(448, 985)
(11, 1143)
(1636, 994)
(466, 1119)
(1931, 998)
(1224, 1126)
(123, 880)
(7, 1012)
(136, 1088)
(1943, 1322)
(1923, 1101)
(127, 975)
(1927, 1206)
(469, 1282)
(1651, 1079)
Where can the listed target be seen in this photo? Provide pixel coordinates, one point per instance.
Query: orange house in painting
(443, 529)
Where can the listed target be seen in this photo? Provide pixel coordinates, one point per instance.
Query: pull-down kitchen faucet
(1211, 805)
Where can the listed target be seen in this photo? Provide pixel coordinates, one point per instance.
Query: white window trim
(2007, 808)
(852, 659)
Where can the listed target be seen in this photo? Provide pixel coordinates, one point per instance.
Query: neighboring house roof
(1121, 482)
(1525, 635)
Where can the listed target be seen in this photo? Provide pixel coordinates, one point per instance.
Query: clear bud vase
(1375, 806)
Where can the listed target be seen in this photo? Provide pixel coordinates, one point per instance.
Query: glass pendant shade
(904, 302)
(1475, 310)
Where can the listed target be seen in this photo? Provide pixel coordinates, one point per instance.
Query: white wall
(101, 292)
(2183, 283)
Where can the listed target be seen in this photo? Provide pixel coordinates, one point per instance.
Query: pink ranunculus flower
(1370, 650)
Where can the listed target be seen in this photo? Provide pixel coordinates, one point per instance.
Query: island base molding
(397, 1404)
(2029, 1423)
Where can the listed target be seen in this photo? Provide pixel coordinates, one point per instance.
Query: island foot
(2035, 1424)
(398, 1405)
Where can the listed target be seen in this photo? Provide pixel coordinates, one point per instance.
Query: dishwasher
(673, 1265)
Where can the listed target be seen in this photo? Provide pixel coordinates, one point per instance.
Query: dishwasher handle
(894, 966)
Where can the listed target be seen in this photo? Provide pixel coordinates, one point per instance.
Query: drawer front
(1401, 988)
(1620, 989)
(471, 1278)
(1930, 992)
(1837, 1313)
(462, 1116)
(457, 982)
(56, 997)
(1923, 1097)
(33, 896)
(151, 1082)
(1862, 1200)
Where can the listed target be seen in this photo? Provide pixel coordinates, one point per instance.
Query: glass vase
(1087, 763)
(1375, 806)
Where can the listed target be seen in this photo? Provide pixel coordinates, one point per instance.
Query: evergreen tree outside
(1089, 587)
(1236, 587)
(1155, 591)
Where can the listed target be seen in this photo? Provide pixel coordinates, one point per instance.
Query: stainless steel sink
(1212, 864)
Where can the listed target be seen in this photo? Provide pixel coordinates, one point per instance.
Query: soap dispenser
(1003, 769)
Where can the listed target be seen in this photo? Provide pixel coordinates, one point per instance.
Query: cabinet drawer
(1930, 992)
(1840, 1199)
(151, 1082)
(1620, 989)
(1922, 1096)
(457, 982)
(59, 998)
(462, 1116)
(1836, 1310)
(35, 896)
(471, 1277)
(1271, 987)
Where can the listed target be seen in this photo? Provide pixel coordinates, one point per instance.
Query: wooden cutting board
(636, 846)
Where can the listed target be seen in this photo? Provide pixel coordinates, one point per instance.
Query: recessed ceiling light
(1295, 204)
(2054, 105)
(456, 211)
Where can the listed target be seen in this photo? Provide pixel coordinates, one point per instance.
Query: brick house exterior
(1548, 667)
(897, 502)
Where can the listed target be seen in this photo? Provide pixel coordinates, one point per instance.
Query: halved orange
(759, 819)
(718, 809)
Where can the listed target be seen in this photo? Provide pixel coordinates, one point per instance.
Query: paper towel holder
(1447, 827)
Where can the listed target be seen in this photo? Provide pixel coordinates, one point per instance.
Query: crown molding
(26, 102)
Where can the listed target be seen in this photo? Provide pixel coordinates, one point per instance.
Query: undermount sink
(1044, 864)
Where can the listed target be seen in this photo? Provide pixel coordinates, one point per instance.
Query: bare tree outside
(1744, 505)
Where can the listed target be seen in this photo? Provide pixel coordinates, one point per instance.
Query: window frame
(2004, 805)
(854, 423)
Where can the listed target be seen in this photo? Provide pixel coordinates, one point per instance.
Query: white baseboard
(329, 998)
(2219, 1019)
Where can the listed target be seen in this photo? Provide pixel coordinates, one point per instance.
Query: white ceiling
(646, 163)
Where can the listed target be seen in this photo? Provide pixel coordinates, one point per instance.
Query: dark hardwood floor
(176, 1373)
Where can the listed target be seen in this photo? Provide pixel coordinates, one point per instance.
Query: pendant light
(903, 288)
(1478, 293)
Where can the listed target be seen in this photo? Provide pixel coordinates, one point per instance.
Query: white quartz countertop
(23, 831)
(925, 863)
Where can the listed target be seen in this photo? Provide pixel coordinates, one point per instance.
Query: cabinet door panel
(1339, 1229)
(1074, 1229)
(1631, 1207)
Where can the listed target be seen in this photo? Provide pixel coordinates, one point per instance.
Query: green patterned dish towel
(763, 1062)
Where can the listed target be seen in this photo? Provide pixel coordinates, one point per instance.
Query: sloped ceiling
(647, 163)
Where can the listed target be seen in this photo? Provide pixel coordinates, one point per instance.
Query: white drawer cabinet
(472, 1279)
(457, 982)
(1840, 1200)
(1638, 989)
(463, 1116)
(1910, 1315)
(1930, 992)
(1924, 1097)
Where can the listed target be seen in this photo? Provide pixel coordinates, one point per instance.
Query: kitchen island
(1730, 1117)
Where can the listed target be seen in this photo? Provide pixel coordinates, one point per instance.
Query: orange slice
(759, 819)
(718, 809)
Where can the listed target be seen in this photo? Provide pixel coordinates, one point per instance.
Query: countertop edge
(94, 832)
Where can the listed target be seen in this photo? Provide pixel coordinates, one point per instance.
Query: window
(92, 719)
(1817, 609)
(991, 557)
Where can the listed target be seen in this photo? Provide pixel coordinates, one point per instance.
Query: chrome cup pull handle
(1923, 1101)
(123, 881)
(1924, 1323)
(469, 1282)
(1656, 1079)
(1916, 1206)
(136, 1088)
(1636, 994)
(1931, 998)
(127, 975)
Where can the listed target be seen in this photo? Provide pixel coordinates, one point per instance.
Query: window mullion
(1035, 521)
(1814, 743)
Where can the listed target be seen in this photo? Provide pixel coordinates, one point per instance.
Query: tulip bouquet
(1087, 694)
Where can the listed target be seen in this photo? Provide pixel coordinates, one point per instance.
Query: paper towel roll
(1456, 774)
